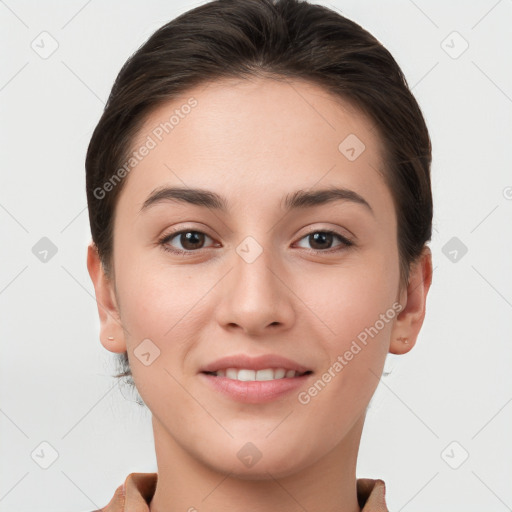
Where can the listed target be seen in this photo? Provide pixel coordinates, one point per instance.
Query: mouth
(265, 374)
(255, 380)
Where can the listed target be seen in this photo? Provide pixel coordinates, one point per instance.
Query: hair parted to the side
(279, 39)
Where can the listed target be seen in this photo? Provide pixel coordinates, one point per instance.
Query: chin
(258, 461)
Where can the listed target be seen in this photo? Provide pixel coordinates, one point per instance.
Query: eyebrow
(299, 199)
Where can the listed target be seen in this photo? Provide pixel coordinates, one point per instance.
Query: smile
(245, 374)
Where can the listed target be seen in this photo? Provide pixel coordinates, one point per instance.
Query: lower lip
(255, 391)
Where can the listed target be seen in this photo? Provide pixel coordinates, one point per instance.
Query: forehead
(258, 137)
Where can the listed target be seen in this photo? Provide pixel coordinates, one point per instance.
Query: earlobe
(401, 345)
(409, 321)
(111, 330)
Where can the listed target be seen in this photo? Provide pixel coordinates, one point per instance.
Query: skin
(254, 141)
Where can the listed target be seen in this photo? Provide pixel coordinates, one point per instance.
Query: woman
(260, 203)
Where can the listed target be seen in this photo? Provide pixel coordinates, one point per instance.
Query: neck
(186, 484)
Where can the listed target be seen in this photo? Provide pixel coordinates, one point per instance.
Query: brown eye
(187, 240)
(321, 241)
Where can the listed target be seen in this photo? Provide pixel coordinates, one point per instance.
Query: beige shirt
(138, 489)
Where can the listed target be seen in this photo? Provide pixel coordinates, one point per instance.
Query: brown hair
(274, 38)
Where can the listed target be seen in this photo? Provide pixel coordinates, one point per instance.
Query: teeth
(231, 373)
(267, 374)
(244, 374)
(279, 373)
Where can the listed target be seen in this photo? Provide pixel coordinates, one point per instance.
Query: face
(268, 280)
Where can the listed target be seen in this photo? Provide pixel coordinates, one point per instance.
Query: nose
(256, 297)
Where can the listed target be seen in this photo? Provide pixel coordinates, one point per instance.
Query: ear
(413, 299)
(110, 320)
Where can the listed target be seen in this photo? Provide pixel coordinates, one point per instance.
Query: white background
(56, 383)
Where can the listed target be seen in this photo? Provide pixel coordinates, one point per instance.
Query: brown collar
(138, 489)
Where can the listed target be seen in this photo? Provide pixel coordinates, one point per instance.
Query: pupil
(322, 237)
(191, 237)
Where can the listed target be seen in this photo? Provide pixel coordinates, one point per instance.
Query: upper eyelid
(349, 234)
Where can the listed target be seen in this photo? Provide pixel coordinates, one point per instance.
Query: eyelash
(163, 242)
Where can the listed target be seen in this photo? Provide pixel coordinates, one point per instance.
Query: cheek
(358, 310)
(161, 311)
(157, 299)
(360, 313)
(349, 298)
(168, 306)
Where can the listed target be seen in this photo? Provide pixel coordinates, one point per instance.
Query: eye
(322, 241)
(189, 239)
(192, 240)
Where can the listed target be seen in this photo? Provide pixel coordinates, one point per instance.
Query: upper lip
(254, 363)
